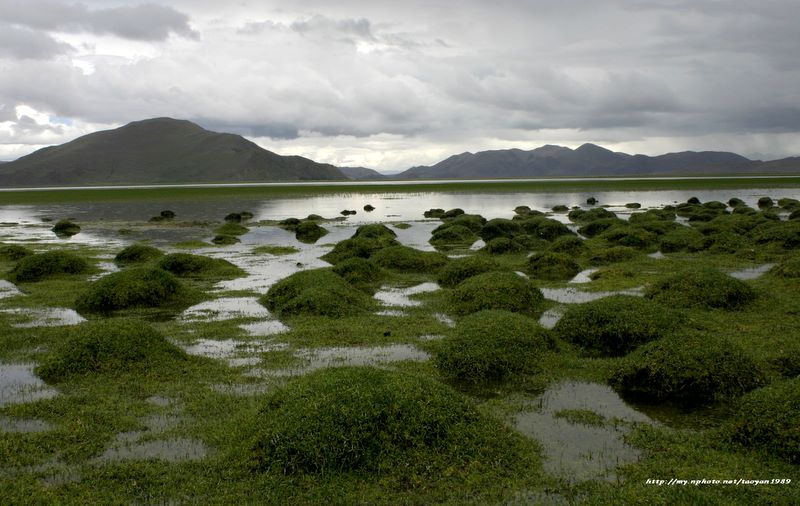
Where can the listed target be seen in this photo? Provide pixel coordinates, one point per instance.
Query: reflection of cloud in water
(399, 297)
(46, 317)
(8, 289)
(752, 272)
(225, 308)
(574, 296)
(19, 385)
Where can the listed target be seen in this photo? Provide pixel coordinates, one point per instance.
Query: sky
(391, 85)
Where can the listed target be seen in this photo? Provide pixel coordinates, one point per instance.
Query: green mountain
(159, 151)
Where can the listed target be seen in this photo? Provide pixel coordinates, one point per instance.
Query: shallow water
(551, 317)
(752, 272)
(236, 353)
(46, 317)
(168, 450)
(584, 275)
(8, 289)
(575, 451)
(264, 328)
(19, 385)
(399, 297)
(225, 308)
(23, 425)
(573, 296)
(319, 358)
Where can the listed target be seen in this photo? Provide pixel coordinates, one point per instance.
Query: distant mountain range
(166, 150)
(592, 160)
(159, 151)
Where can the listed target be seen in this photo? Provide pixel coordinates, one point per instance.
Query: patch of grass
(552, 266)
(500, 227)
(691, 370)
(198, 266)
(46, 265)
(614, 326)
(361, 247)
(504, 245)
(360, 272)
(459, 269)
(543, 227)
(496, 290)
(453, 236)
(401, 226)
(581, 417)
(319, 292)
(683, 239)
(600, 225)
(137, 254)
(569, 244)
(612, 255)
(768, 419)
(788, 268)
(375, 231)
(406, 259)
(135, 287)
(13, 252)
(107, 346)
(372, 422)
(491, 346)
(231, 228)
(701, 288)
(275, 250)
(65, 228)
(632, 236)
(225, 240)
(194, 244)
(594, 214)
(309, 232)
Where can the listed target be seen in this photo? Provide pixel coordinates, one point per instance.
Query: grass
(319, 292)
(496, 290)
(198, 266)
(49, 264)
(137, 254)
(707, 288)
(275, 250)
(135, 287)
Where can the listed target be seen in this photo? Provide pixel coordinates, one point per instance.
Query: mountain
(592, 160)
(158, 151)
(361, 173)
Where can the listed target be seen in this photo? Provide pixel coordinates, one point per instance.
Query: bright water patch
(19, 385)
(8, 289)
(225, 308)
(264, 328)
(574, 296)
(399, 297)
(445, 320)
(551, 317)
(657, 255)
(584, 276)
(23, 425)
(752, 272)
(168, 450)
(578, 451)
(319, 358)
(46, 317)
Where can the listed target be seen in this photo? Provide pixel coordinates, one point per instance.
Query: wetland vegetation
(507, 348)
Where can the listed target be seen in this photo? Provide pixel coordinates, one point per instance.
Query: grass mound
(701, 288)
(583, 215)
(460, 269)
(503, 245)
(434, 213)
(631, 236)
(496, 290)
(359, 272)
(789, 268)
(552, 266)
(783, 234)
(652, 215)
(309, 232)
(65, 228)
(614, 326)
(683, 239)
(13, 252)
(765, 203)
(44, 265)
(690, 370)
(188, 265)
(137, 254)
(473, 222)
(612, 255)
(456, 235)
(360, 419)
(134, 287)
(406, 259)
(225, 240)
(492, 346)
(597, 227)
(319, 292)
(500, 227)
(232, 228)
(357, 247)
(107, 346)
(569, 244)
(544, 228)
(375, 231)
(769, 419)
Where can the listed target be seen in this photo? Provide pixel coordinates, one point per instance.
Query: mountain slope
(159, 150)
(362, 173)
(591, 160)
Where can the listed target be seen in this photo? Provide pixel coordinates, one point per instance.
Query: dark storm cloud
(24, 43)
(137, 22)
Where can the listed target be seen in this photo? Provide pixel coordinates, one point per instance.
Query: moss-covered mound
(434, 213)
(500, 227)
(319, 292)
(368, 420)
(652, 215)
(231, 228)
(789, 268)
(225, 240)
(789, 204)
(735, 202)
(356, 247)
(289, 223)
(690, 370)
(473, 222)
(503, 245)
(765, 203)
(795, 215)
(614, 326)
(583, 215)
(406, 259)
(459, 269)
(781, 234)
(569, 244)
(683, 239)
(496, 290)
(13, 252)
(631, 236)
(452, 213)
(44, 265)
(453, 236)
(309, 232)
(134, 287)
(701, 288)
(544, 228)
(769, 419)
(108, 346)
(552, 266)
(65, 228)
(492, 346)
(597, 227)
(137, 254)
(359, 272)
(612, 255)
(375, 231)
(188, 265)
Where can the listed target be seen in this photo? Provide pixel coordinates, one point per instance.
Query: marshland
(524, 343)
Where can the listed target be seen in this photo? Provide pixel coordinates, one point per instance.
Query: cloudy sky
(389, 84)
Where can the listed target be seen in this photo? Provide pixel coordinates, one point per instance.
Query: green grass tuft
(46, 265)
